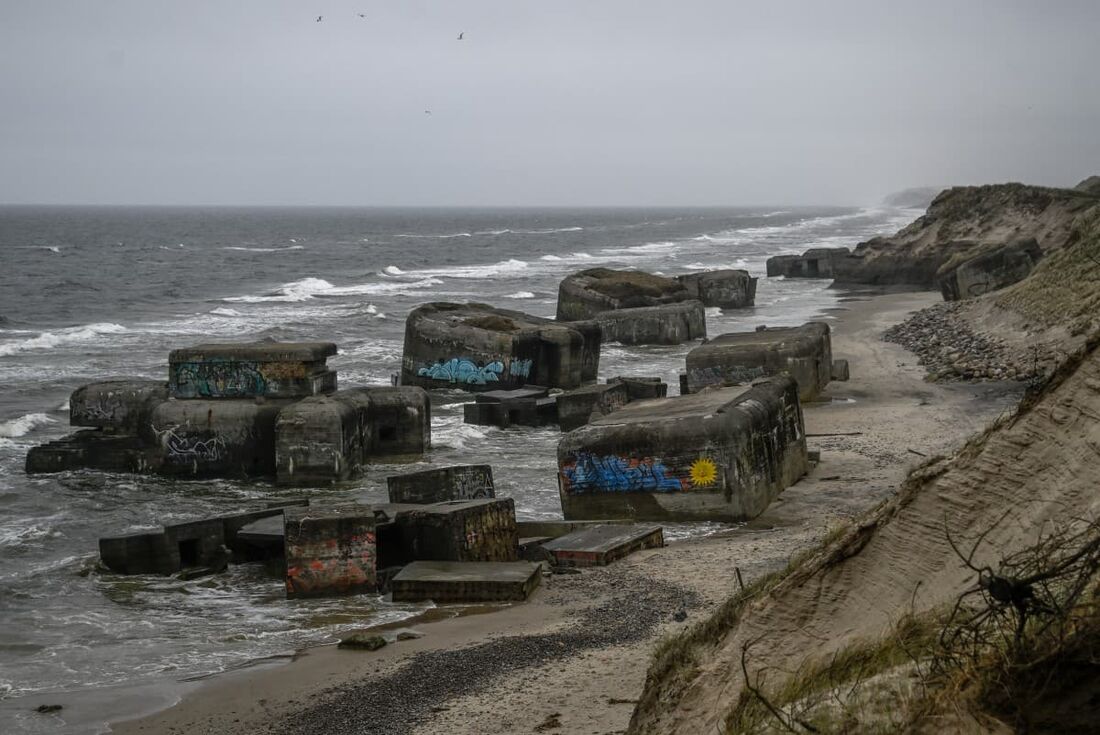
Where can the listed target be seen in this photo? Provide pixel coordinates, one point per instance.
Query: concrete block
(988, 269)
(90, 449)
(526, 406)
(668, 324)
(722, 454)
(804, 353)
(318, 441)
(251, 370)
(400, 422)
(814, 263)
(602, 544)
(728, 289)
(457, 582)
(215, 438)
(576, 407)
(477, 347)
(465, 530)
(462, 482)
(173, 549)
(123, 406)
(589, 293)
(329, 551)
(840, 370)
(641, 389)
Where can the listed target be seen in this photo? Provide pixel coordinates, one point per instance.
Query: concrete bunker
(723, 454)
(726, 289)
(477, 347)
(990, 269)
(814, 263)
(804, 353)
(257, 409)
(632, 307)
(460, 482)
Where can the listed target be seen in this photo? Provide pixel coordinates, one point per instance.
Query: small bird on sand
(460, 35)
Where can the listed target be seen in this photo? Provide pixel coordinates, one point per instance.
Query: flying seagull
(460, 35)
(318, 19)
(362, 15)
(427, 112)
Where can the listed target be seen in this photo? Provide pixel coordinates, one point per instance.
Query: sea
(94, 293)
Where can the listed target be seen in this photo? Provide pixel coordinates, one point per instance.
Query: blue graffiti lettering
(520, 368)
(618, 474)
(459, 370)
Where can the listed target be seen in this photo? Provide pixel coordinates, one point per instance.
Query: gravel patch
(396, 702)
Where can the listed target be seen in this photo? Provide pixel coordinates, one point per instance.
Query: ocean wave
(50, 340)
(649, 247)
(520, 295)
(308, 288)
(225, 311)
(264, 250)
(504, 267)
(24, 425)
(549, 231)
(435, 237)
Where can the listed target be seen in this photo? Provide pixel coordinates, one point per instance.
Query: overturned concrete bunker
(992, 268)
(477, 347)
(723, 454)
(632, 307)
(256, 409)
(804, 353)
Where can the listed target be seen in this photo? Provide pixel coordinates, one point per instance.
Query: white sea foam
(50, 340)
(549, 231)
(225, 311)
(504, 267)
(24, 425)
(435, 237)
(308, 288)
(649, 247)
(264, 250)
(520, 295)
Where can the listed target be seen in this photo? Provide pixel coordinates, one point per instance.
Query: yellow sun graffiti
(703, 472)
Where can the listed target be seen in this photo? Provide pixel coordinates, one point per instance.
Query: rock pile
(950, 351)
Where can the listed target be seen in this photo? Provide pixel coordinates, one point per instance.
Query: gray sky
(555, 102)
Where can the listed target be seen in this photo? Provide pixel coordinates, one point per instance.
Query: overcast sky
(548, 102)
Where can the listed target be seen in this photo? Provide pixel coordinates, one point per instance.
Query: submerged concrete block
(205, 438)
(477, 347)
(251, 370)
(717, 455)
(123, 406)
(173, 549)
(462, 530)
(668, 324)
(966, 277)
(529, 406)
(462, 482)
(577, 407)
(455, 582)
(589, 293)
(329, 551)
(804, 353)
(93, 449)
(400, 422)
(727, 289)
(600, 545)
(640, 389)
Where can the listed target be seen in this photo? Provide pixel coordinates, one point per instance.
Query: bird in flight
(460, 35)
(427, 112)
(362, 15)
(318, 19)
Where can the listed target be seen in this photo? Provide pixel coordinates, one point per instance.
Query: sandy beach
(573, 658)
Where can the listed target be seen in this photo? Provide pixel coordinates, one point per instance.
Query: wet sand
(573, 658)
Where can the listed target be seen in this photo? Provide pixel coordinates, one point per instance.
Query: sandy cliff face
(966, 220)
(1038, 467)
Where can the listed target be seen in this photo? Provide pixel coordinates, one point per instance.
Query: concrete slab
(600, 545)
(451, 582)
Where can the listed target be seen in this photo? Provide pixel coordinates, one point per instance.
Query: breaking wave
(264, 250)
(50, 340)
(504, 267)
(24, 425)
(520, 295)
(308, 288)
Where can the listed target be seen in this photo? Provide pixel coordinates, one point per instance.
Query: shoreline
(321, 689)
